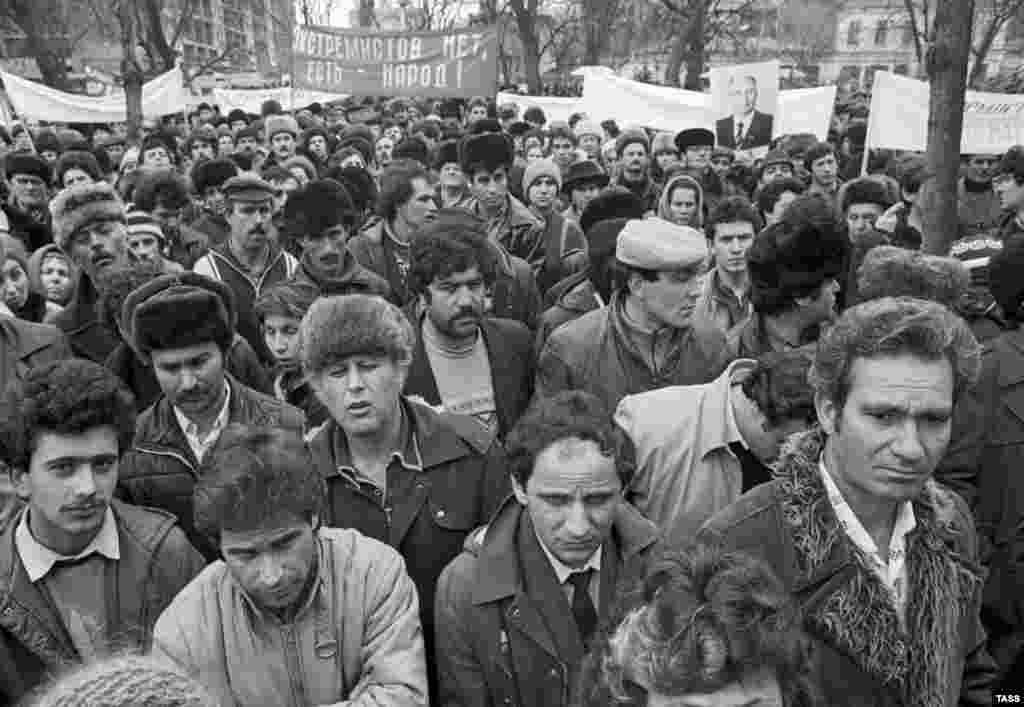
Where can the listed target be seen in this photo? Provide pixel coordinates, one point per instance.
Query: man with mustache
(633, 151)
(81, 575)
(250, 260)
(647, 336)
(89, 225)
(517, 609)
(464, 361)
(182, 325)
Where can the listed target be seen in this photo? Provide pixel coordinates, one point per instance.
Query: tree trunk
(675, 63)
(947, 72)
(526, 23)
(695, 45)
(131, 72)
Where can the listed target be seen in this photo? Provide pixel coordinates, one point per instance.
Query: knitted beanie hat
(538, 169)
(274, 124)
(142, 223)
(127, 681)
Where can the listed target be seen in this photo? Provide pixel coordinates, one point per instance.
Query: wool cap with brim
(490, 150)
(614, 202)
(78, 206)
(237, 114)
(657, 244)
(541, 168)
(695, 137)
(776, 157)
(252, 131)
(585, 172)
(142, 223)
(177, 311)
(248, 187)
(274, 124)
(26, 163)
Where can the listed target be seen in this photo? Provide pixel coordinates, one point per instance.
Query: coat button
(440, 513)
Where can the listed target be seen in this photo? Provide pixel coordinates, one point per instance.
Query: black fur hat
(176, 311)
(319, 205)
(614, 202)
(447, 152)
(489, 150)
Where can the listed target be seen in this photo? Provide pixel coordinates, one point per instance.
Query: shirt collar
(906, 521)
(562, 570)
(189, 427)
(39, 559)
(408, 453)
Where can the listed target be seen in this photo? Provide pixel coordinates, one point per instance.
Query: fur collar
(855, 613)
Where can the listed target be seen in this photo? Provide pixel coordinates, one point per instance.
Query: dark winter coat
(160, 470)
(505, 629)
(79, 321)
(156, 563)
(865, 656)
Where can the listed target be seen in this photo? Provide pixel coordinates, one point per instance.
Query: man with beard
(89, 226)
(632, 149)
(28, 182)
(251, 260)
(82, 575)
(647, 336)
(282, 132)
(182, 326)
(405, 202)
(320, 218)
(247, 140)
(464, 362)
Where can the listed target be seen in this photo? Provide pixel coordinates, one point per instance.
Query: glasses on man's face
(28, 182)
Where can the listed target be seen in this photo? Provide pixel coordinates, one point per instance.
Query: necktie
(582, 605)
(739, 134)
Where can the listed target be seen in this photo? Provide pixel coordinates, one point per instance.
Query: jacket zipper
(172, 455)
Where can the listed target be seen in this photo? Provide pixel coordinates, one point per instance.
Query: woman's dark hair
(572, 414)
(700, 619)
(441, 250)
(161, 187)
(256, 475)
(66, 397)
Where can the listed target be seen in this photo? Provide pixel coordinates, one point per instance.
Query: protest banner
(251, 100)
(805, 110)
(899, 117)
(554, 107)
(164, 95)
(460, 63)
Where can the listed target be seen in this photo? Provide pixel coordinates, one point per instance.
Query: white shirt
(201, 444)
(39, 559)
(892, 573)
(563, 571)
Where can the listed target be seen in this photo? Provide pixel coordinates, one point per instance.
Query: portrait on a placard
(747, 99)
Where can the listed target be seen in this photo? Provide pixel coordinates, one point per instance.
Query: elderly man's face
(743, 92)
(361, 392)
(97, 246)
(572, 496)
(28, 190)
(887, 438)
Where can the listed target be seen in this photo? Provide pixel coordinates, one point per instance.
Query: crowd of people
(446, 403)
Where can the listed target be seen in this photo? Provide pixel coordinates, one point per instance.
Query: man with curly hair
(81, 574)
(465, 361)
(881, 558)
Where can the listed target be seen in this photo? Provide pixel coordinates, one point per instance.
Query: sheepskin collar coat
(867, 655)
